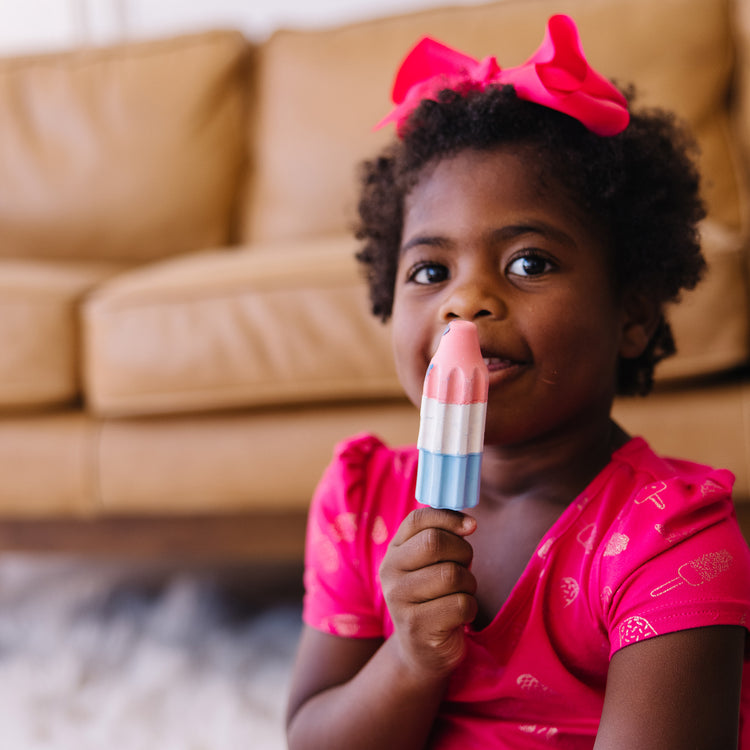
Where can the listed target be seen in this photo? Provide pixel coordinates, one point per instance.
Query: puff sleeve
(347, 535)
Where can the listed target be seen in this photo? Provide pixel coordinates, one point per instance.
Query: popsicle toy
(696, 572)
(452, 417)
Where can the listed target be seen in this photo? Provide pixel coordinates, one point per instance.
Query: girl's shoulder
(639, 454)
(648, 478)
(669, 553)
(359, 451)
(364, 473)
(642, 495)
(659, 500)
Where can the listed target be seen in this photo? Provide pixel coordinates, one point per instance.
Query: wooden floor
(271, 537)
(224, 539)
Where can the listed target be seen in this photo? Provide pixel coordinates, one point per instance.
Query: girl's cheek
(409, 367)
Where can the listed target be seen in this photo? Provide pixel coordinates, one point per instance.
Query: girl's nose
(472, 300)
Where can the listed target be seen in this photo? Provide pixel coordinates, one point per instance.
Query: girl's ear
(641, 316)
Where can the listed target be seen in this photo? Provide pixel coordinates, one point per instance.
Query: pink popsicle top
(457, 373)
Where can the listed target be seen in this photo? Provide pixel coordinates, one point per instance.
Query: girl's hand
(371, 693)
(429, 588)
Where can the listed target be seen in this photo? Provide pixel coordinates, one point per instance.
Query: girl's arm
(366, 693)
(675, 691)
(355, 693)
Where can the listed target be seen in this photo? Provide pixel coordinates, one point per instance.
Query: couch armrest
(255, 326)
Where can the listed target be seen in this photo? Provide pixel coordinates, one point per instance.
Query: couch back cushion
(322, 92)
(130, 152)
(742, 93)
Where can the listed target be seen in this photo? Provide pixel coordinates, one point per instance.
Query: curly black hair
(642, 187)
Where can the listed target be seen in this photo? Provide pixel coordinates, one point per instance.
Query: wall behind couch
(41, 25)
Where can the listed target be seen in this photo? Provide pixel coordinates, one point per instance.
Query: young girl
(598, 595)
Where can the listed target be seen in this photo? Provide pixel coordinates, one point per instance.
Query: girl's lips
(502, 369)
(495, 364)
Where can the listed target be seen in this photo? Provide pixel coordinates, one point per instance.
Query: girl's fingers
(426, 547)
(451, 521)
(433, 582)
(447, 613)
(428, 536)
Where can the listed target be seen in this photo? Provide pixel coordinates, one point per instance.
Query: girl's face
(483, 241)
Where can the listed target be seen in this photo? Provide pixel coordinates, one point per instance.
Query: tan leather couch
(183, 331)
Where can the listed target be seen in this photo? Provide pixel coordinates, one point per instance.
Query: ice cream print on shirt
(697, 572)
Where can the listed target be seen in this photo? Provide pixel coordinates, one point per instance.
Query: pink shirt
(651, 546)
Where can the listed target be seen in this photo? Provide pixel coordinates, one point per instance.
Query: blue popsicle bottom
(450, 482)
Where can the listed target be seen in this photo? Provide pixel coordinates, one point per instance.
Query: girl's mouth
(497, 363)
(502, 370)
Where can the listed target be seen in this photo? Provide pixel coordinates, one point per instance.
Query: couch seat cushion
(39, 331)
(283, 323)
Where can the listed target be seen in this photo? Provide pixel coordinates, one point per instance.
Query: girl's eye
(428, 273)
(530, 265)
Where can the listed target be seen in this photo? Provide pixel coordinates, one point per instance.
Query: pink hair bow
(557, 75)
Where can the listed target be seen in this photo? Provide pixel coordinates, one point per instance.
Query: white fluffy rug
(98, 655)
